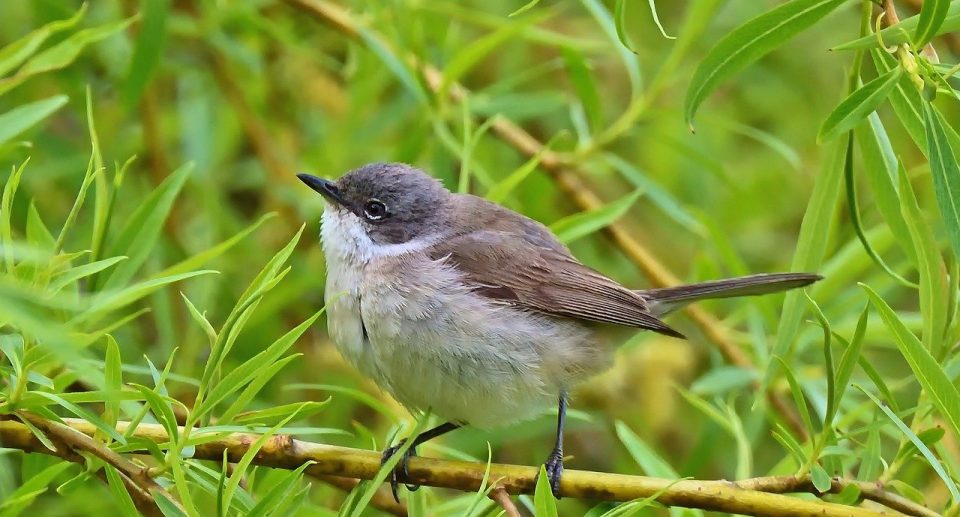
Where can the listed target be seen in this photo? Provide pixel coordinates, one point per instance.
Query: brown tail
(668, 299)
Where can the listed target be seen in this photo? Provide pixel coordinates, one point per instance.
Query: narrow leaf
(21, 118)
(932, 15)
(573, 227)
(946, 173)
(899, 33)
(924, 450)
(927, 370)
(863, 101)
(751, 41)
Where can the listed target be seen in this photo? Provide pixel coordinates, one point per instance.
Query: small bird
(458, 305)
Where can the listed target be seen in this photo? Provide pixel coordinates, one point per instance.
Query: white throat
(344, 238)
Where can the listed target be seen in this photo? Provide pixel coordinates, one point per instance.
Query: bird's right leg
(403, 467)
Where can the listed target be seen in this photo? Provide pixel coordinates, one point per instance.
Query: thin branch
(760, 496)
(502, 497)
(569, 178)
(69, 443)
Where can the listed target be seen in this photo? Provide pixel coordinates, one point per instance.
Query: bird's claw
(402, 468)
(554, 468)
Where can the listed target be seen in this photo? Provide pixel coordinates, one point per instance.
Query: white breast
(411, 324)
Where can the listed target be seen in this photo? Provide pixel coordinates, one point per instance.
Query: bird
(457, 305)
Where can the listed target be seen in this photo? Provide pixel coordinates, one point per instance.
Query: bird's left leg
(554, 463)
(404, 466)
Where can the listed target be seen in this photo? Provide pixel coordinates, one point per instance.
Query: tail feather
(668, 299)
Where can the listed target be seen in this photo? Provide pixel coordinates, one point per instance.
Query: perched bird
(456, 304)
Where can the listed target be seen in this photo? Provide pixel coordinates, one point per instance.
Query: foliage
(154, 268)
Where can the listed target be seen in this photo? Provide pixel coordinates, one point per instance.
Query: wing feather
(512, 268)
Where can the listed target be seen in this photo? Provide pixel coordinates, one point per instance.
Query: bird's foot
(401, 469)
(554, 468)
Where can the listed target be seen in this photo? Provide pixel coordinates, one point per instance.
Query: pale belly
(433, 345)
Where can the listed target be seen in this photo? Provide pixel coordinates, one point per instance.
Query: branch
(759, 496)
(502, 497)
(70, 443)
(569, 179)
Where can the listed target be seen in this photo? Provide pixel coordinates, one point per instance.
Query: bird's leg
(554, 463)
(403, 467)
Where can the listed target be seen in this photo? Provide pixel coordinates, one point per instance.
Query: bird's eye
(375, 210)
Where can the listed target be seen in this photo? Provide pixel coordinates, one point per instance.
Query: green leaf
(749, 42)
(858, 105)
(584, 86)
(946, 173)
(200, 259)
(473, 53)
(82, 413)
(905, 99)
(850, 356)
(620, 16)
(63, 53)
(253, 389)
(659, 196)
(526, 7)
(933, 298)
(21, 118)
(880, 172)
(723, 379)
(268, 502)
(6, 208)
(151, 39)
(69, 276)
(246, 372)
(871, 462)
(239, 470)
(162, 408)
(573, 227)
(269, 415)
(121, 497)
(38, 234)
(543, 501)
(932, 15)
(905, 429)
(899, 33)
(167, 506)
(799, 398)
(656, 20)
(385, 469)
(821, 480)
(397, 66)
(144, 227)
(113, 300)
(927, 370)
(113, 381)
(14, 54)
(815, 230)
(607, 23)
(648, 460)
(14, 502)
(829, 370)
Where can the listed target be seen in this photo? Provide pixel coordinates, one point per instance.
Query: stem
(761, 496)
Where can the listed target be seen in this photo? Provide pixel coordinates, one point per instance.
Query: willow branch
(70, 443)
(500, 496)
(568, 176)
(759, 496)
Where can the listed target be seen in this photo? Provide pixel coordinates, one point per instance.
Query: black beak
(328, 189)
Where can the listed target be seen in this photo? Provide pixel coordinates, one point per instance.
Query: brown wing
(512, 268)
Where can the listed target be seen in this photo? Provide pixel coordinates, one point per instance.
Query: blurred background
(254, 91)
